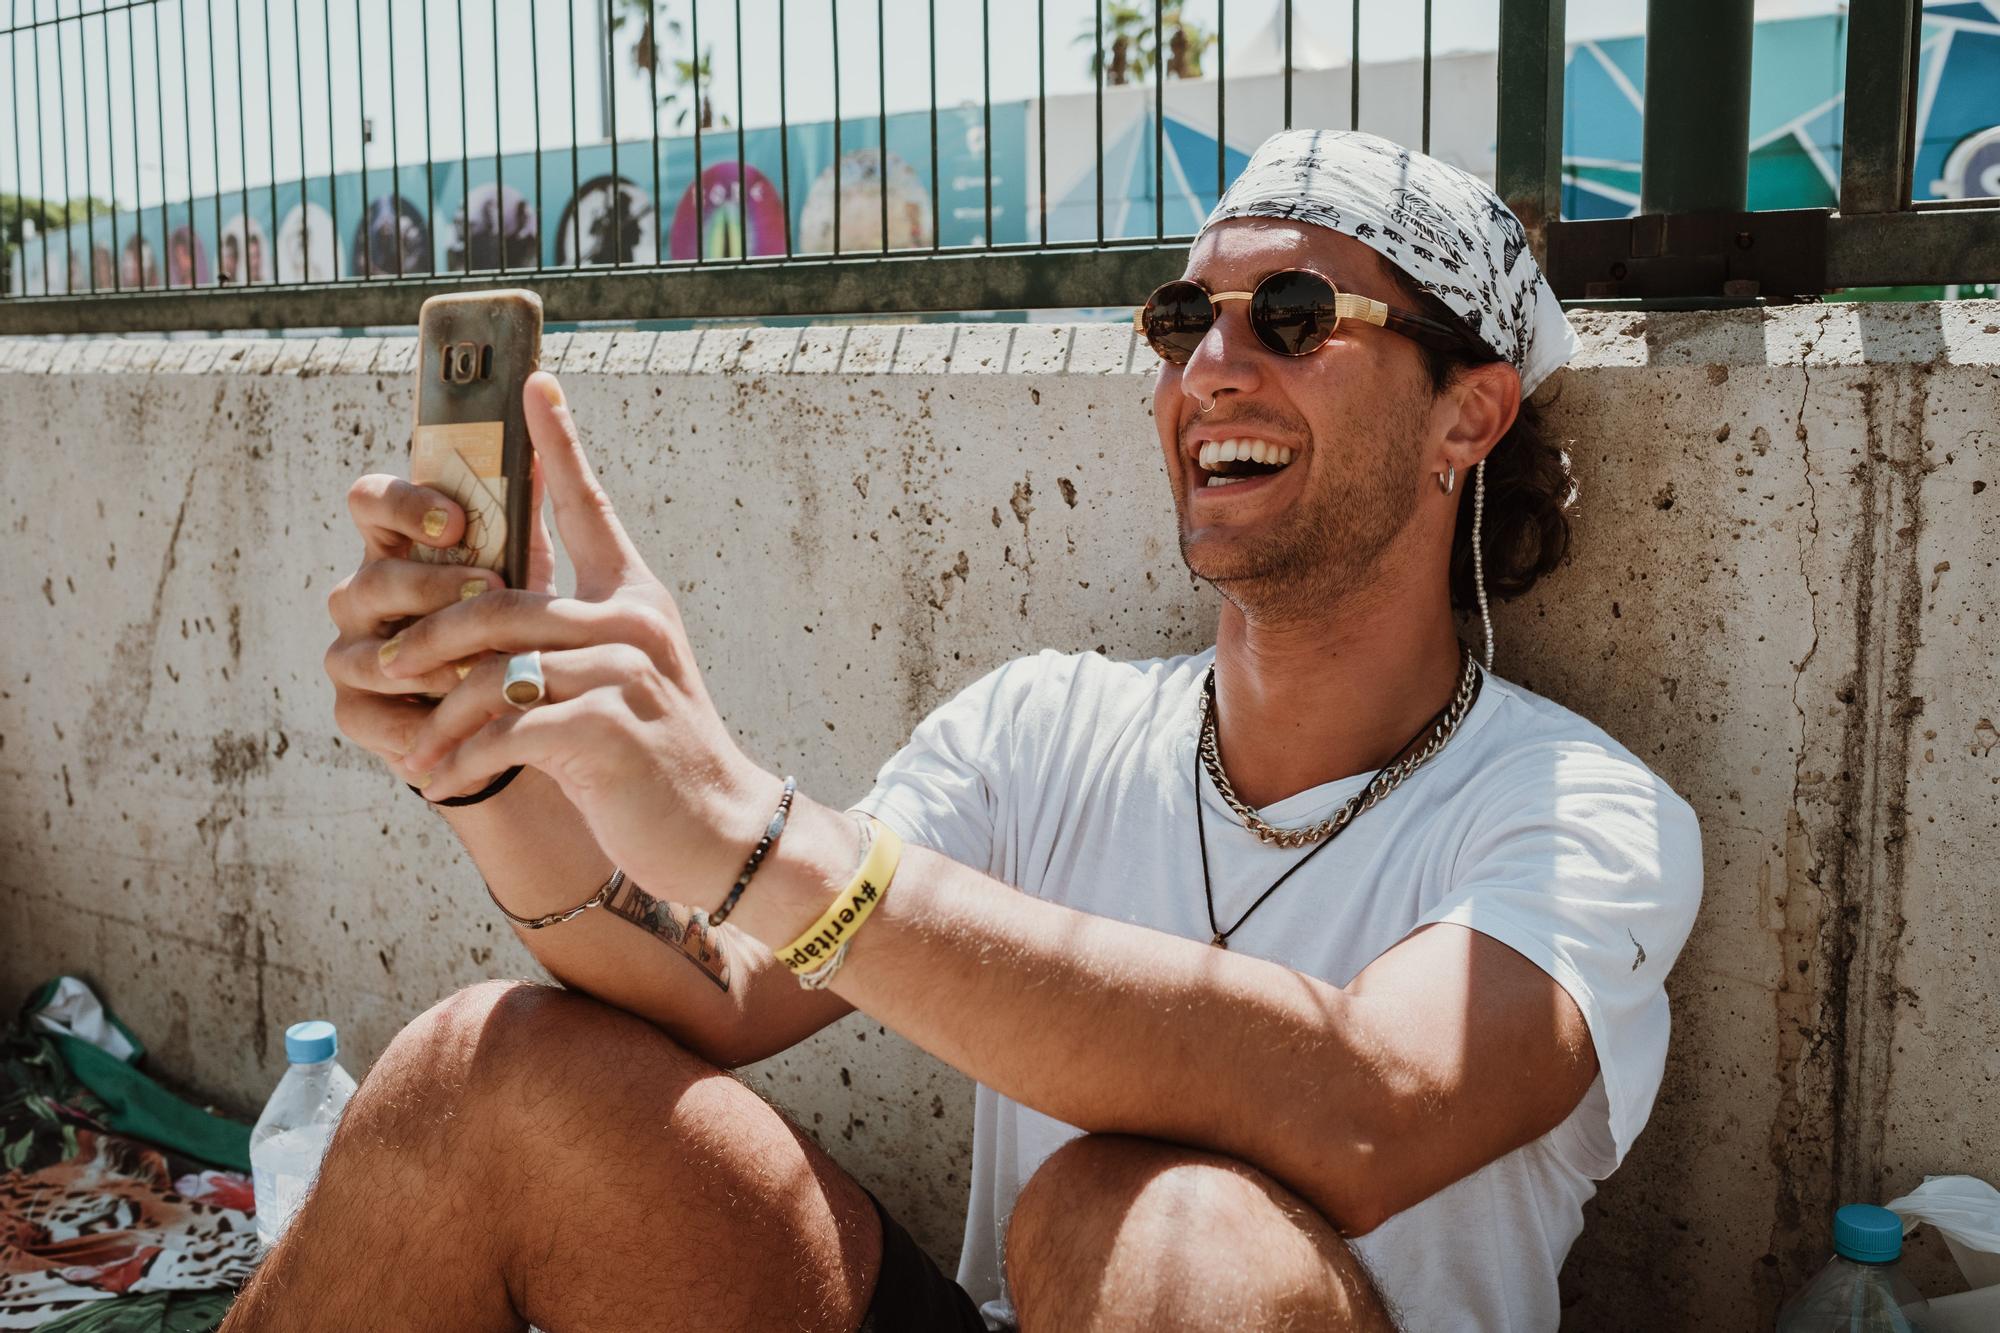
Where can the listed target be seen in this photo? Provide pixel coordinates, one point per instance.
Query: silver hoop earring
(1448, 479)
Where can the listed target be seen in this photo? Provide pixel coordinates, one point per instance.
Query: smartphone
(470, 437)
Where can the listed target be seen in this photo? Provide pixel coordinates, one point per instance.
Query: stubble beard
(1327, 550)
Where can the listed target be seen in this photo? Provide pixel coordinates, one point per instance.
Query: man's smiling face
(1353, 417)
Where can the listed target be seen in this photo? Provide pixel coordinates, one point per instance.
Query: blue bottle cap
(312, 1041)
(1867, 1234)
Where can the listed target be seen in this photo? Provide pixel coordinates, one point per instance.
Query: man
(1214, 1093)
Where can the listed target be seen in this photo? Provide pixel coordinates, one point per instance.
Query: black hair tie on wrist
(493, 788)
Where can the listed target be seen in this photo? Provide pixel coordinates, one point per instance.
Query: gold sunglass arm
(1346, 305)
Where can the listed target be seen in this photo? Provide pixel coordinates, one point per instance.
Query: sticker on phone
(463, 459)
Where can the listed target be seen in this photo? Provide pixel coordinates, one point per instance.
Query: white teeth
(1217, 452)
(1225, 481)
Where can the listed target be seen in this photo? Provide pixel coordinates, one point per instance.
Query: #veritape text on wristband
(820, 949)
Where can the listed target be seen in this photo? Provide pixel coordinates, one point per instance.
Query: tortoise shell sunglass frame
(1293, 312)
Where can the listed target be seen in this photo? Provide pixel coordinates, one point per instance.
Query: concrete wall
(1777, 597)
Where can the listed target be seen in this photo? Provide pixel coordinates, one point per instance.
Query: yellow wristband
(816, 947)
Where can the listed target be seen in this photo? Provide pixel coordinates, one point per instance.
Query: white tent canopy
(1264, 51)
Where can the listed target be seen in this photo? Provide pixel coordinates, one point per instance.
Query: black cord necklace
(1220, 937)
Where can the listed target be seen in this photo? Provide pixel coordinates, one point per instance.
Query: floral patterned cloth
(100, 1231)
(1444, 227)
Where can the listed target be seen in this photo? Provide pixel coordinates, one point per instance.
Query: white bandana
(1443, 227)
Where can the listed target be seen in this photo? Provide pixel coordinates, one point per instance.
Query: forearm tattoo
(695, 941)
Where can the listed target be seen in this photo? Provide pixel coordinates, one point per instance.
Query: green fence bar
(1880, 111)
(1696, 157)
(1528, 159)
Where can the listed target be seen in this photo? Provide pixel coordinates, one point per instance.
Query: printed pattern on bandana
(1443, 227)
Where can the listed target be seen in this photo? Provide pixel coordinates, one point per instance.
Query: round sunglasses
(1293, 311)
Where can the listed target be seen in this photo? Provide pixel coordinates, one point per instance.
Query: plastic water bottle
(1861, 1290)
(292, 1134)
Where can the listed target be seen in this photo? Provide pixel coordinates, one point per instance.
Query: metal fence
(197, 87)
(1692, 240)
(203, 164)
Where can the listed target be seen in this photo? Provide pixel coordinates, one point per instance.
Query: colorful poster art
(859, 222)
(734, 199)
(394, 239)
(307, 248)
(100, 274)
(245, 253)
(610, 222)
(503, 232)
(187, 259)
(138, 266)
(1973, 169)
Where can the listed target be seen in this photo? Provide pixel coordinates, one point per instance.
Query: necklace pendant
(1219, 942)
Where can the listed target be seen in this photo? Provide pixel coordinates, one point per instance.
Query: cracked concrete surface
(1778, 596)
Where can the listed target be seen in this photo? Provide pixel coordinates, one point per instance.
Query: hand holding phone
(470, 437)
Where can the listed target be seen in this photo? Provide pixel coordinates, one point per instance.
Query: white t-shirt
(1072, 778)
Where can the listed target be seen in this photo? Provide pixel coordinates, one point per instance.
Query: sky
(236, 91)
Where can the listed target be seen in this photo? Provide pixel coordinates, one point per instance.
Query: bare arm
(1447, 1052)
(727, 1003)
(724, 1001)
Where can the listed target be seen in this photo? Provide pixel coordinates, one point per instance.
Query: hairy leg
(1116, 1233)
(522, 1153)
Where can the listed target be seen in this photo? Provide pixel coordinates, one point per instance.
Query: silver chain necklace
(1434, 737)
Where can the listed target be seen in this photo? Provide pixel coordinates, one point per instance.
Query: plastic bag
(1966, 1212)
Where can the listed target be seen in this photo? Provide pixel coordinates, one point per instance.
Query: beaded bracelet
(771, 832)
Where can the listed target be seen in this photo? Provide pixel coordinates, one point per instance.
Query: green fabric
(136, 1105)
(142, 1108)
(154, 1312)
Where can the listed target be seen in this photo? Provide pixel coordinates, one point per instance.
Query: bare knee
(1115, 1232)
(498, 1062)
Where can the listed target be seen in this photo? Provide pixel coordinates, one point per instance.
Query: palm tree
(691, 80)
(1127, 55)
(1186, 44)
(1122, 59)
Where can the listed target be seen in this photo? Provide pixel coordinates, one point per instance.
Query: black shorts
(912, 1294)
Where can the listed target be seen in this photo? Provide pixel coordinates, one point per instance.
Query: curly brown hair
(1529, 488)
